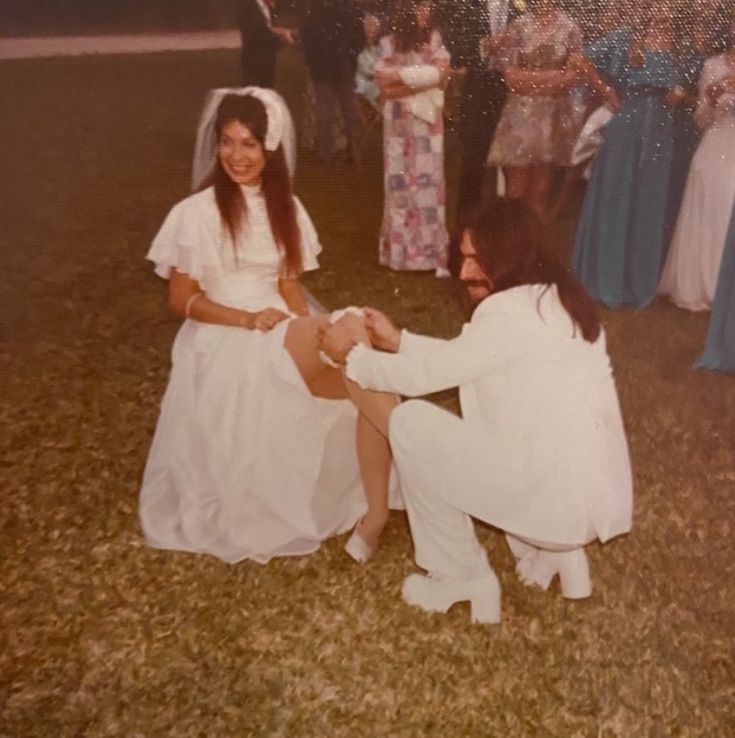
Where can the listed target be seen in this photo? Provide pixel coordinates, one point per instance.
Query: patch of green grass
(104, 637)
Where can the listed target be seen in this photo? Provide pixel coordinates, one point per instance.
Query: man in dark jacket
(332, 37)
(472, 30)
(261, 40)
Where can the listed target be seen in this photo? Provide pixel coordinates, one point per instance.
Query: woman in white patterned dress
(254, 452)
(411, 73)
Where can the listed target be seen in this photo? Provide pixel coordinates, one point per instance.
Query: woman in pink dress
(411, 73)
(693, 262)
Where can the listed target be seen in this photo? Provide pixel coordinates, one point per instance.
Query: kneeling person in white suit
(540, 451)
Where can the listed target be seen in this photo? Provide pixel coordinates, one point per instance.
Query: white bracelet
(191, 301)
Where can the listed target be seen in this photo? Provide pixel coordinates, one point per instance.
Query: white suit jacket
(544, 398)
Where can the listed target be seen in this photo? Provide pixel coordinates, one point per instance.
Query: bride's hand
(383, 333)
(265, 320)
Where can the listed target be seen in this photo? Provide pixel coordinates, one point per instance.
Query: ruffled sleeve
(310, 246)
(189, 240)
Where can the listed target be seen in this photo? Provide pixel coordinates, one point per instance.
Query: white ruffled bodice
(194, 240)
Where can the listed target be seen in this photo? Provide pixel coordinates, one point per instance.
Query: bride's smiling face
(241, 154)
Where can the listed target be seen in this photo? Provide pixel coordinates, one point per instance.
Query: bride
(254, 455)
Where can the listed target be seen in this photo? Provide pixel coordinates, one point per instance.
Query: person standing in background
(411, 73)
(260, 42)
(538, 126)
(690, 272)
(365, 85)
(719, 348)
(332, 36)
(473, 35)
(626, 221)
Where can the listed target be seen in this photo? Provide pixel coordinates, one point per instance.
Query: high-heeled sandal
(358, 548)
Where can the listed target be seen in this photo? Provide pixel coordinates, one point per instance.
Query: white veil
(280, 130)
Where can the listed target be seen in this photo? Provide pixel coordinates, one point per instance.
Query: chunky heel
(434, 594)
(574, 574)
(485, 608)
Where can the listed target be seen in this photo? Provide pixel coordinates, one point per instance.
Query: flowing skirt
(414, 233)
(245, 462)
(693, 263)
(719, 348)
(626, 219)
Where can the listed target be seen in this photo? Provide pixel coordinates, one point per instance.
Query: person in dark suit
(473, 33)
(332, 37)
(261, 40)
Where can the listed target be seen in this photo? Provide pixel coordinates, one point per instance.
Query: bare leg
(373, 450)
(302, 342)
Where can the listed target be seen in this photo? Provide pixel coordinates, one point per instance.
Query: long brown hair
(276, 182)
(510, 245)
(407, 34)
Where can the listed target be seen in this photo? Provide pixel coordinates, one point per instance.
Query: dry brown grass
(102, 636)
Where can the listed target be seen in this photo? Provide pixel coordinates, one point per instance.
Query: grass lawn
(102, 636)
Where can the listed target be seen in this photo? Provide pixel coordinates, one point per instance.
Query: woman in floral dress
(539, 124)
(411, 73)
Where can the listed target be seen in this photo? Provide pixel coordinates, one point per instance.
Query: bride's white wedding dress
(245, 462)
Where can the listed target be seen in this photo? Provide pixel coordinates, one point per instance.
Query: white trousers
(440, 458)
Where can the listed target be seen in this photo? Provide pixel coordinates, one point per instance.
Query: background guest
(411, 73)
(261, 40)
(719, 348)
(473, 34)
(366, 88)
(693, 262)
(332, 37)
(538, 125)
(626, 223)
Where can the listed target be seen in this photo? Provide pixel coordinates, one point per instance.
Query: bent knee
(410, 416)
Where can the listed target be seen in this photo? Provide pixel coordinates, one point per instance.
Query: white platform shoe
(434, 594)
(538, 566)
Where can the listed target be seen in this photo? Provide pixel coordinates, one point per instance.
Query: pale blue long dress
(719, 347)
(630, 206)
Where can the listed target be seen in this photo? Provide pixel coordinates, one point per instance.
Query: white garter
(333, 318)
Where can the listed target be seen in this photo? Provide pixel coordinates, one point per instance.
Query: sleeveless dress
(245, 462)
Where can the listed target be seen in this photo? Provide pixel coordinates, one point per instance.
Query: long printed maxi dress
(414, 232)
(627, 219)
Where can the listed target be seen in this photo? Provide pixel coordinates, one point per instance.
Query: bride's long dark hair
(276, 182)
(510, 245)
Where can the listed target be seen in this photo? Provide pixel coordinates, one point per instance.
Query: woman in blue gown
(637, 179)
(719, 348)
